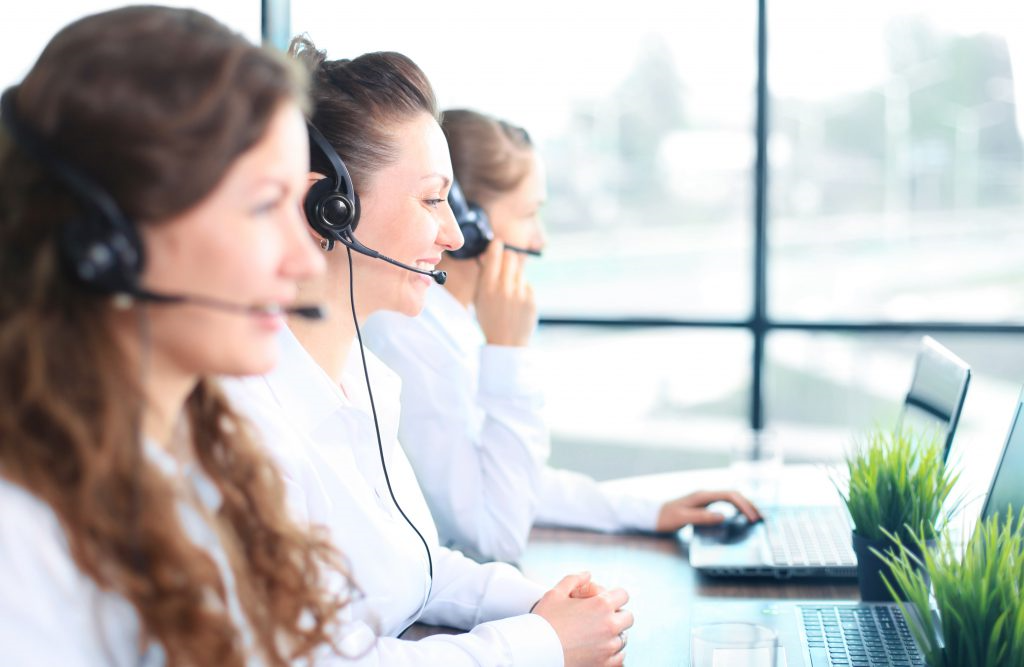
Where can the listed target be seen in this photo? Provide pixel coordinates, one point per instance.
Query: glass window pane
(644, 119)
(633, 401)
(25, 31)
(824, 389)
(897, 163)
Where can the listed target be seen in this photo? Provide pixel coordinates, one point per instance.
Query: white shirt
(481, 406)
(326, 445)
(52, 613)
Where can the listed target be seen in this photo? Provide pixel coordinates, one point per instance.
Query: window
(893, 205)
(644, 122)
(897, 162)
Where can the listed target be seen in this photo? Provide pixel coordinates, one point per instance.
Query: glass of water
(733, 645)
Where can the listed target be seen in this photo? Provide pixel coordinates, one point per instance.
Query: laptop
(1005, 490)
(819, 634)
(822, 634)
(814, 541)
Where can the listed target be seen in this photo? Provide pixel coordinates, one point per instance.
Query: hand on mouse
(692, 509)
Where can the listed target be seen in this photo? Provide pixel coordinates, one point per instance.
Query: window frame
(277, 30)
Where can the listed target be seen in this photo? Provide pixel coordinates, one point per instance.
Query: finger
(734, 498)
(492, 261)
(571, 582)
(622, 620)
(700, 498)
(587, 590)
(511, 271)
(744, 505)
(699, 517)
(616, 597)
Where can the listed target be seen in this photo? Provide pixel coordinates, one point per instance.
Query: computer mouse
(733, 529)
(737, 523)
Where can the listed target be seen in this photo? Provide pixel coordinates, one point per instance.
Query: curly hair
(155, 104)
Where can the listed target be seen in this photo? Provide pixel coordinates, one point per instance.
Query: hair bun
(304, 51)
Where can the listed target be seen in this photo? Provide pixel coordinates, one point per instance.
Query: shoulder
(31, 537)
(51, 611)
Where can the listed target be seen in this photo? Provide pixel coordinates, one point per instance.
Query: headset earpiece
(101, 247)
(473, 223)
(104, 257)
(331, 214)
(331, 204)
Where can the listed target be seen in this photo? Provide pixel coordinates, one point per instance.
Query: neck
(462, 278)
(328, 341)
(165, 385)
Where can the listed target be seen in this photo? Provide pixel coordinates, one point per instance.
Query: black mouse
(733, 528)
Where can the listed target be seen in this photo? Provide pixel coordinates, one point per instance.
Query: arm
(576, 623)
(523, 641)
(575, 500)
(473, 428)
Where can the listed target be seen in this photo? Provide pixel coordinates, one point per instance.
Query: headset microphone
(523, 251)
(308, 311)
(352, 242)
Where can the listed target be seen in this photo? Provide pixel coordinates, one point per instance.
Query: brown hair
(155, 104)
(356, 102)
(489, 156)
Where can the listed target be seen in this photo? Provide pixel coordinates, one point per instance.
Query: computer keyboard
(858, 636)
(810, 537)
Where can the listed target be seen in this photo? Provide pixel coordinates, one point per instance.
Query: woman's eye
(266, 207)
(433, 203)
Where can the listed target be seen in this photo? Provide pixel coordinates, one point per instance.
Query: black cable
(376, 425)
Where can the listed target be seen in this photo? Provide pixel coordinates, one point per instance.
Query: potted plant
(978, 616)
(898, 487)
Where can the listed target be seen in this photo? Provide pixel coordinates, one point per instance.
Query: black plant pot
(870, 567)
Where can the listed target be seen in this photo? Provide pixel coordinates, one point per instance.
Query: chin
(242, 362)
(413, 307)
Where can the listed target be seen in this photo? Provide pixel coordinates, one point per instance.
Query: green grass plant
(978, 596)
(898, 484)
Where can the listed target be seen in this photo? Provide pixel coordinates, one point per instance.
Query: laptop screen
(1007, 489)
(937, 390)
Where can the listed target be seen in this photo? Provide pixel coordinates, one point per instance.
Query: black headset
(473, 223)
(331, 205)
(101, 247)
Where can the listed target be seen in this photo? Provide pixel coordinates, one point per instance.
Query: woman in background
(150, 154)
(472, 424)
(381, 174)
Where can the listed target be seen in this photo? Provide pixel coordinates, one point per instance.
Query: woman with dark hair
(377, 205)
(472, 423)
(151, 167)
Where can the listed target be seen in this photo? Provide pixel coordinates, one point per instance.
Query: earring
(326, 244)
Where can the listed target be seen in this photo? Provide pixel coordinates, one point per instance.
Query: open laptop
(823, 634)
(1006, 489)
(814, 541)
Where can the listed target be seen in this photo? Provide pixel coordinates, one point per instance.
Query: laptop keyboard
(858, 636)
(819, 537)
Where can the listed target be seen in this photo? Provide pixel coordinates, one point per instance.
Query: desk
(654, 569)
(661, 584)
